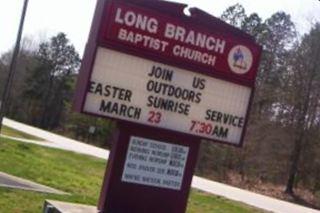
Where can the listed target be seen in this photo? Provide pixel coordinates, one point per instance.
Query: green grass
(203, 202)
(5, 130)
(77, 174)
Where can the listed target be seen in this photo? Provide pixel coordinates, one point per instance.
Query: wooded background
(282, 144)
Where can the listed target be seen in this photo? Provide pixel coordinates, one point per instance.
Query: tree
(78, 125)
(302, 99)
(234, 15)
(26, 61)
(50, 83)
(278, 36)
(44, 87)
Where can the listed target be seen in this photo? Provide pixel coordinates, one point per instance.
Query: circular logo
(240, 59)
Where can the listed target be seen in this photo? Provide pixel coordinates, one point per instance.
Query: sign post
(148, 171)
(170, 80)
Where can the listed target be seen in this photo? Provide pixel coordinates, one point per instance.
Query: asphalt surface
(212, 187)
(10, 181)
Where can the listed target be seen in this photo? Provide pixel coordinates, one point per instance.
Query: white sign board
(143, 91)
(155, 163)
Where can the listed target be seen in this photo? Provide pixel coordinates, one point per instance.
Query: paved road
(10, 181)
(57, 141)
(233, 193)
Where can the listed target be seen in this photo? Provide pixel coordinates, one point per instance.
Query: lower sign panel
(142, 91)
(155, 163)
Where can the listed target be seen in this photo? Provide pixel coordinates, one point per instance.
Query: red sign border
(175, 11)
(171, 10)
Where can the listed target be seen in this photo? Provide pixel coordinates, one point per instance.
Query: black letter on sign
(198, 83)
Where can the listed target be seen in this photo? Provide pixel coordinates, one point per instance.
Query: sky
(45, 18)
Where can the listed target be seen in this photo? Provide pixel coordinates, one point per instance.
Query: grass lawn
(77, 174)
(5, 130)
